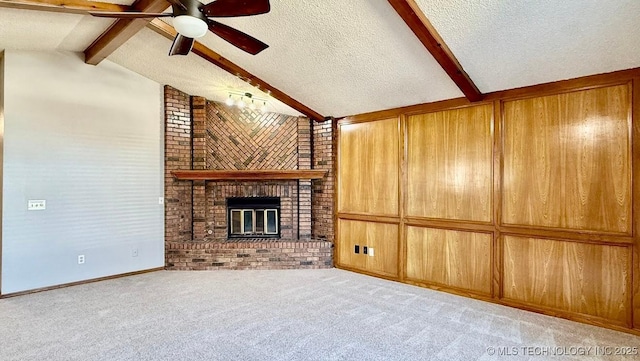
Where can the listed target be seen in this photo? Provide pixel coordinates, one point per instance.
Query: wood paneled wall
(526, 199)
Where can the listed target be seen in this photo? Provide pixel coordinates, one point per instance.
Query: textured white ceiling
(147, 54)
(340, 57)
(509, 44)
(38, 30)
(348, 57)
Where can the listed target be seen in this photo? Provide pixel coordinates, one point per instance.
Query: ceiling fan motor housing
(190, 8)
(189, 20)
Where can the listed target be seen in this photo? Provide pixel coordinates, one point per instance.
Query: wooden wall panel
(369, 168)
(382, 237)
(547, 170)
(577, 277)
(453, 258)
(449, 164)
(567, 161)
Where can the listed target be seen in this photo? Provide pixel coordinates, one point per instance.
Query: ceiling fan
(191, 21)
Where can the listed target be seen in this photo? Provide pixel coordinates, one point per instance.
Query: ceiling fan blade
(228, 8)
(237, 38)
(181, 45)
(127, 15)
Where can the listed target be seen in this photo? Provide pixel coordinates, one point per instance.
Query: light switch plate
(36, 205)
(370, 252)
(160, 200)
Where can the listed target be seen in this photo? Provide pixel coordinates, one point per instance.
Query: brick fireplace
(204, 135)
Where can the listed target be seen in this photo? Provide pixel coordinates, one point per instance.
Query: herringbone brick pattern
(246, 139)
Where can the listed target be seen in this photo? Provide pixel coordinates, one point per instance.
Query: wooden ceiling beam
(218, 60)
(429, 37)
(122, 30)
(62, 6)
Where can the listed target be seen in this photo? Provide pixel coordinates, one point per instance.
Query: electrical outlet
(160, 200)
(81, 259)
(364, 249)
(357, 249)
(36, 205)
(370, 252)
(134, 252)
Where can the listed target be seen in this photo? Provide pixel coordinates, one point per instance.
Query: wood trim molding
(565, 86)
(8, 295)
(210, 175)
(410, 12)
(635, 256)
(497, 255)
(62, 6)
(218, 60)
(369, 218)
(581, 236)
(121, 31)
(450, 224)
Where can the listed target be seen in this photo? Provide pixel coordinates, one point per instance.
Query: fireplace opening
(253, 217)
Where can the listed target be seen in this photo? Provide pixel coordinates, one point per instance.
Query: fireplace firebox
(253, 217)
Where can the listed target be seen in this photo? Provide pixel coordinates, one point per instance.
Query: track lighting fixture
(242, 100)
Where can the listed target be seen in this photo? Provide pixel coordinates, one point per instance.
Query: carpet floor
(284, 315)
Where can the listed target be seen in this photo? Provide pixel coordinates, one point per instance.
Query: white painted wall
(89, 141)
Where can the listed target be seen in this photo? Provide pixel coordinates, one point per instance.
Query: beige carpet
(281, 315)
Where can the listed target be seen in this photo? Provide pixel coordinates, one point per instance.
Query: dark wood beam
(429, 37)
(62, 6)
(218, 60)
(121, 31)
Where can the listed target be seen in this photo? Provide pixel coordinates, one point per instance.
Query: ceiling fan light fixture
(190, 26)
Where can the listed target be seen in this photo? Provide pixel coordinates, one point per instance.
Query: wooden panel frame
(477, 161)
(489, 275)
(635, 142)
(390, 207)
(567, 283)
(632, 241)
(559, 101)
(371, 264)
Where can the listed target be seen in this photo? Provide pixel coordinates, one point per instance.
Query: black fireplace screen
(253, 217)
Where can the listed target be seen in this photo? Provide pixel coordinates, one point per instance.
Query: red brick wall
(177, 153)
(323, 190)
(199, 161)
(206, 135)
(246, 139)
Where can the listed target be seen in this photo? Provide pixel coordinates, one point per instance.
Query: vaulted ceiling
(338, 58)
